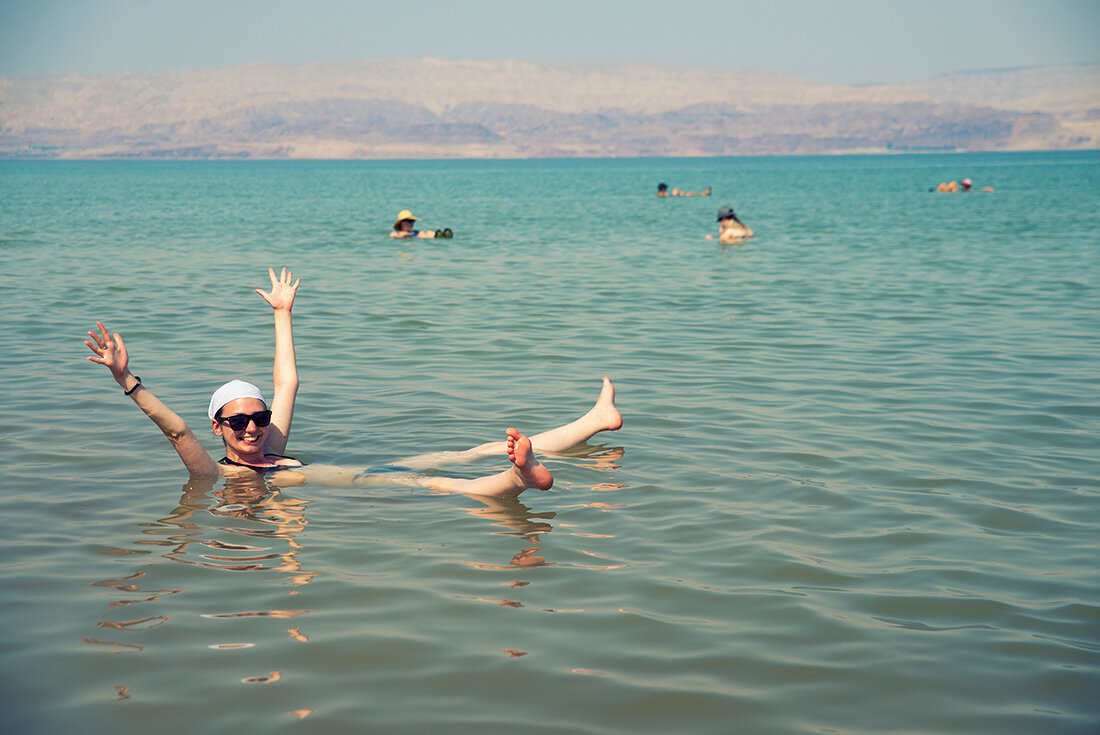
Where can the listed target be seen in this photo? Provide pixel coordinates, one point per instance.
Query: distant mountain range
(432, 108)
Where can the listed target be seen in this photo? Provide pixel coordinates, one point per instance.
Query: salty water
(856, 490)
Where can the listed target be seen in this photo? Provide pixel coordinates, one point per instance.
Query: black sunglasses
(239, 421)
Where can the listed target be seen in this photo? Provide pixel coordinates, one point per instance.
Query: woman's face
(406, 225)
(248, 440)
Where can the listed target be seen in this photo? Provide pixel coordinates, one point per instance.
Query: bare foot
(609, 417)
(533, 473)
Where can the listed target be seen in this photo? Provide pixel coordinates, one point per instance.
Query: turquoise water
(856, 490)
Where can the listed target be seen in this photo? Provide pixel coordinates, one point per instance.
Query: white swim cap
(231, 391)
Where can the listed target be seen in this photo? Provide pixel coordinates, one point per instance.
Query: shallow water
(856, 490)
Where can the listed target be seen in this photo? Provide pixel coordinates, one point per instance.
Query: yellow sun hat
(404, 214)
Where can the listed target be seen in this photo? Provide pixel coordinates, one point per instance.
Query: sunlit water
(856, 492)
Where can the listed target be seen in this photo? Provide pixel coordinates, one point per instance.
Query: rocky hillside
(430, 108)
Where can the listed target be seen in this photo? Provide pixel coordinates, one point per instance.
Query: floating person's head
(726, 212)
(404, 220)
(966, 184)
(662, 190)
(239, 415)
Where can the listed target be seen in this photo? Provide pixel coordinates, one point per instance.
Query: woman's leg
(603, 416)
(526, 471)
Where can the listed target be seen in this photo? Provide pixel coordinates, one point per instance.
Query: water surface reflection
(195, 532)
(391, 562)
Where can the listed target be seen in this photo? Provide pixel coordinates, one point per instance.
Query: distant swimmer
(968, 185)
(953, 186)
(662, 191)
(731, 229)
(403, 228)
(255, 433)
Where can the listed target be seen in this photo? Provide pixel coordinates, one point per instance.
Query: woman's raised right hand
(283, 289)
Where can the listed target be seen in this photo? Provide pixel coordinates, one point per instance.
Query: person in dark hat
(731, 229)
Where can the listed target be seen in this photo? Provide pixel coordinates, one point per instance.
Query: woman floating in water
(255, 435)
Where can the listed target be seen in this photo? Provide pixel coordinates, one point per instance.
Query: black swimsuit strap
(227, 460)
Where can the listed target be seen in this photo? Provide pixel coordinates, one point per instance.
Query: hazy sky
(841, 41)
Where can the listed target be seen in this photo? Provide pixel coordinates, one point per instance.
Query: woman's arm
(281, 299)
(111, 351)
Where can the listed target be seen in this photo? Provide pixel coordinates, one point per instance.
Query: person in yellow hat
(403, 227)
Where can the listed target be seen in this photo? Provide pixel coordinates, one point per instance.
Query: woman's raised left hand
(109, 350)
